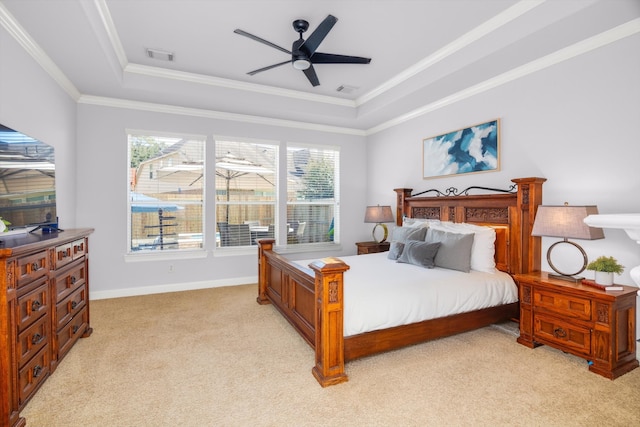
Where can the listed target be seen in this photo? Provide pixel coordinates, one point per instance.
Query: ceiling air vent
(161, 55)
(346, 89)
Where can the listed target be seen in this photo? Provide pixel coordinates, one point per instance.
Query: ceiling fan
(303, 52)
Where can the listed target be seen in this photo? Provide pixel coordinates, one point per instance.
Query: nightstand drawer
(565, 305)
(372, 247)
(567, 336)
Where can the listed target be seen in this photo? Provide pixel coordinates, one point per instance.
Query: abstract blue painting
(472, 149)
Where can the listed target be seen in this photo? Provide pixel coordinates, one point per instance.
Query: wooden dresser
(597, 325)
(44, 308)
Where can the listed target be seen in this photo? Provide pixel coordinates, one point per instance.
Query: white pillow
(483, 249)
(418, 222)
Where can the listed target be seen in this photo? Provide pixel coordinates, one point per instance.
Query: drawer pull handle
(73, 279)
(37, 370)
(559, 333)
(35, 305)
(36, 339)
(75, 329)
(74, 304)
(34, 266)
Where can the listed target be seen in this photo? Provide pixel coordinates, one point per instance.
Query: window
(246, 192)
(165, 192)
(312, 194)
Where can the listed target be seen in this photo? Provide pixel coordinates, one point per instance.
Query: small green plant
(606, 263)
(6, 224)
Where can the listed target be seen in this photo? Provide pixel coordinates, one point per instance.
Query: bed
(311, 297)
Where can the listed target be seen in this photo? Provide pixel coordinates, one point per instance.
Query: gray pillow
(395, 249)
(455, 249)
(404, 234)
(419, 253)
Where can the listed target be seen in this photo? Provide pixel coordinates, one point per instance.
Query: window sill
(165, 255)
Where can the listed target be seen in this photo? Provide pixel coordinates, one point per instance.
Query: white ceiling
(424, 53)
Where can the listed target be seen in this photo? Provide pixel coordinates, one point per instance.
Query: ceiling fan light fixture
(301, 64)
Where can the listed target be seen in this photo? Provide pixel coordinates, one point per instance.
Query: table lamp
(566, 222)
(379, 215)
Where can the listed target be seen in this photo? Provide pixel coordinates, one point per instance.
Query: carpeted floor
(215, 357)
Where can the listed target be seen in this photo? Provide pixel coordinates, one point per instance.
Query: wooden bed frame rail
(311, 299)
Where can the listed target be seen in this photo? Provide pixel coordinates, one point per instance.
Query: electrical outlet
(170, 268)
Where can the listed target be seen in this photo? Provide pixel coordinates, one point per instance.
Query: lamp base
(574, 279)
(385, 231)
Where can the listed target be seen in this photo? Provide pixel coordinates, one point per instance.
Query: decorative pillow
(483, 249)
(395, 250)
(455, 249)
(419, 253)
(404, 234)
(418, 222)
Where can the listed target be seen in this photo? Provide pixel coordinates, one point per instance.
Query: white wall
(575, 123)
(33, 103)
(102, 154)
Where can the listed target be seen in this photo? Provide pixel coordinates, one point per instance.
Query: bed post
(402, 195)
(329, 319)
(529, 198)
(263, 245)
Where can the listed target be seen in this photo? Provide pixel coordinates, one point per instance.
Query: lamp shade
(378, 214)
(566, 222)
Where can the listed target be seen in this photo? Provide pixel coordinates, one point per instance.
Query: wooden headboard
(510, 212)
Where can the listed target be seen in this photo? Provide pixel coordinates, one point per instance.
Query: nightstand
(594, 324)
(372, 247)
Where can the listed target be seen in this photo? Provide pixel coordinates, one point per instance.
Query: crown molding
(210, 114)
(610, 36)
(8, 21)
(203, 79)
(112, 33)
(461, 42)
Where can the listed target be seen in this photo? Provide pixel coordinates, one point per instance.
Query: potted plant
(604, 268)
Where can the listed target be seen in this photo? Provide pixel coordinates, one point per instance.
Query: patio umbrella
(231, 167)
(144, 203)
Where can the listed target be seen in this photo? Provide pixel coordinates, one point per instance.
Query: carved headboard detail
(510, 212)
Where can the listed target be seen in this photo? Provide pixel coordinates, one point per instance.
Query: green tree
(144, 148)
(318, 180)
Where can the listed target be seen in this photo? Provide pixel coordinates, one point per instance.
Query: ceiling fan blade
(313, 41)
(263, 41)
(312, 76)
(259, 70)
(329, 58)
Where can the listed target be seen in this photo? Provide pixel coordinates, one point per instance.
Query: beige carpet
(216, 358)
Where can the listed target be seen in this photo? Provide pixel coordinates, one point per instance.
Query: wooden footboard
(311, 299)
(306, 298)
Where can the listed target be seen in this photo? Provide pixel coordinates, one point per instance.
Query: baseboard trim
(172, 287)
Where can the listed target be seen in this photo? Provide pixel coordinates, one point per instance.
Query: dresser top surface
(28, 242)
(539, 277)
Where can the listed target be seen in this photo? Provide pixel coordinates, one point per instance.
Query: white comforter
(380, 293)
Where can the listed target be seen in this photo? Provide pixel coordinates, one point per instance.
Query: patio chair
(234, 234)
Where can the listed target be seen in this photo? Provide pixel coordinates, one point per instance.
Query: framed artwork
(472, 149)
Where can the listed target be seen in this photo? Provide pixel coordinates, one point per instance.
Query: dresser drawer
(569, 337)
(78, 248)
(31, 267)
(69, 307)
(69, 334)
(564, 305)
(32, 374)
(63, 255)
(70, 279)
(33, 339)
(33, 304)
